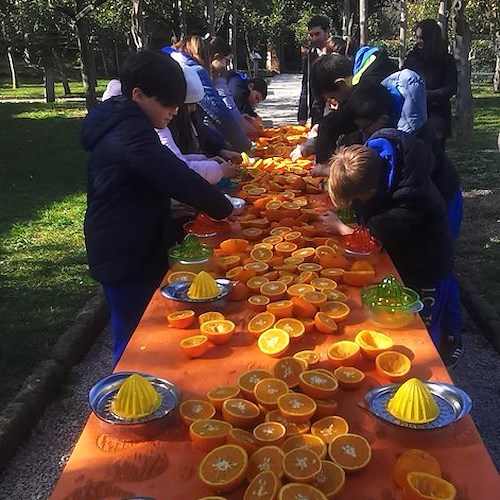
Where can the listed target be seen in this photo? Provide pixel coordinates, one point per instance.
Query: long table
(166, 467)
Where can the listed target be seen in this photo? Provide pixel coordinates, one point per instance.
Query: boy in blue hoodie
(130, 181)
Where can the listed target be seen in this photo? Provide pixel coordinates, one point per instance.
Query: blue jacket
(216, 113)
(131, 178)
(408, 214)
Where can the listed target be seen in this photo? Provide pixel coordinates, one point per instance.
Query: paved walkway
(33, 472)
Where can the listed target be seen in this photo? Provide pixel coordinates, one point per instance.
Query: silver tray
(452, 401)
(178, 290)
(103, 392)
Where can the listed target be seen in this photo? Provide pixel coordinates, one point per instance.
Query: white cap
(194, 87)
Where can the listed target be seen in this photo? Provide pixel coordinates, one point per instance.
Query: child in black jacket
(131, 178)
(387, 183)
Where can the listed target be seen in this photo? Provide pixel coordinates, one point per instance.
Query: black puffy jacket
(131, 178)
(409, 217)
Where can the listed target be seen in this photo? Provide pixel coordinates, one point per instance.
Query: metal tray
(103, 392)
(178, 291)
(453, 404)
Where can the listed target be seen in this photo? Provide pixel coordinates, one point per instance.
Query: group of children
(168, 130)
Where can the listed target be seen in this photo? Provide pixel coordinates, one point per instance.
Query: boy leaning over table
(402, 208)
(131, 178)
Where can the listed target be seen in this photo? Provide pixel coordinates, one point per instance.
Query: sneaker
(451, 350)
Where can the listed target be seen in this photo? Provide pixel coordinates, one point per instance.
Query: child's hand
(296, 153)
(232, 156)
(333, 224)
(320, 170)
(229, 170)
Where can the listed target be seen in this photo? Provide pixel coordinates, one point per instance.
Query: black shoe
(451, 350)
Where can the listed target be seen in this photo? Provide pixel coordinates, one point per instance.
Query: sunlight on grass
(48, 114)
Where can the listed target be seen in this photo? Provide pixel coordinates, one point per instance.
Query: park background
(55, 65)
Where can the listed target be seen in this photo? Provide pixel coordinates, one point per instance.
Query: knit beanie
(194, 87)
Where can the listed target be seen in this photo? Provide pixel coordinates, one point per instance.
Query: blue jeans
(127, 301)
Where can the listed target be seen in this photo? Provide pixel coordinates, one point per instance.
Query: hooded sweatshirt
(130, 180)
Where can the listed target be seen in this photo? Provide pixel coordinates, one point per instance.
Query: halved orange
(293, 491)
(293, 261)
(343, 353)
(306, 276)
(195, 346)
(194, 409)
(240, 412)
(317, 299)
(373, 343)
(318, 385)
(336, 261)
(310, 357)
(273, 240)
(351, 451)
(224, 468)
(310, 266)
(247, 380)
(274, 342)
(329, 427)
(334, 273)
(296, 408)
(261, 254)
(275, 290)
(301, 307)
(233, 246)
(181, 319)
(335, 295)
(309, 441)
(272, 275)
(308, 324)
(267, 458)
(286, 278)
(281, 308)
(292, 429)
(349, 378)
(307, 253)
(338, 311)
(228, 262)
(258, 302)
(414, 460)
(280, 230)
(218, 395)
(324, 323)
(257, 266)
(241, 274)
(268, 390)
(326, 407)
(263, 245)
(243, 438)
(393, 365)
(218, 331)
(181, 276)
(323, 250)
(252, 233)
(294, 237)
(273, 204)
(270, 433)
(358, 278)
(288, 370)
(330, 480)
(285, 248)
(424, 486)
(301, 465)
(322, 284)
(210, 316)
(294, 327)
(264, 486)
(239, 291)
(299, 289)
(209, 433)
(256, 282)
(260, 323)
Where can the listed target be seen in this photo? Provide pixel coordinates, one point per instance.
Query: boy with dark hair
(310, 104)
(131, 178)
(387, 183)
(246, 92)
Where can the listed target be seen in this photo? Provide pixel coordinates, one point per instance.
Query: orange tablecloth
(166, 468)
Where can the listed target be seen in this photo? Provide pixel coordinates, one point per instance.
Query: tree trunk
(233, 36)
(48, 78)
(461, 47)
(402, 33)
(442, 19)
(88, 61)
(346, 14)
(210, 16)
(62, 72)
(496, 76)
(12, 68)
(363, 30)
(139, 32)
(272, 59)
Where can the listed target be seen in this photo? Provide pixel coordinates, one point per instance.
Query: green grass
(35, 90)
(43, 271)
